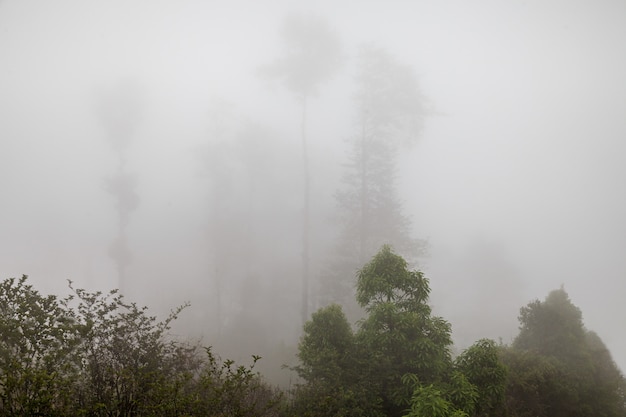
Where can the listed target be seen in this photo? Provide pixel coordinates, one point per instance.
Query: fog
(516, 180)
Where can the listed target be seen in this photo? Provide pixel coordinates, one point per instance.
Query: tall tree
(119, 109)
(250, 202)
(389, 113)
(312, 54)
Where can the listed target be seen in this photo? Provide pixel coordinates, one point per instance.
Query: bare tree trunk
(305, 219)
(364, 197)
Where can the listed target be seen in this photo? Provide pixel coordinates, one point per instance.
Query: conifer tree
(389, 110)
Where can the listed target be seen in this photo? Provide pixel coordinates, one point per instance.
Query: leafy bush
(93, 354)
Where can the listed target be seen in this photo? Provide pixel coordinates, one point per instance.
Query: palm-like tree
(312, 54)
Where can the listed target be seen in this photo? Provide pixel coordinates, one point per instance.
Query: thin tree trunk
(364, 197)
(122, 223)
(305, 219)
(218, 302)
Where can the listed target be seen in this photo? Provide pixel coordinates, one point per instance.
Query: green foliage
(400, 353)
(386, 280)
(93, 354)
(483, 368)
(38, 337)
(454, 397)
(327, 347)
(535, 382)
(229, 390)
(558, 368)
(553, 327)
(123, 351)
(463, 394)
(430, 401)
(607, 385)
(399, 333)
(333, 366)
(318, 399)
(346, 372)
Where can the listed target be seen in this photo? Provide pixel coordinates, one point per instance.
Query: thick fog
(145, 145)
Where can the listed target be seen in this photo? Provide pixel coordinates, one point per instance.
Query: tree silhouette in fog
(251, 227)
(312, 54)
(560, 368)
(389, 110)
(119, 110)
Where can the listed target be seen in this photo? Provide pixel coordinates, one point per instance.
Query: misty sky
(517, 181)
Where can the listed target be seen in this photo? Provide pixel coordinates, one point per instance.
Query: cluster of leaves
(398, 361)
(559, 368)
(388, 112)
(93, 354)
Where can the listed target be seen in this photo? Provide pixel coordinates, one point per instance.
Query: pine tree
(389, 113)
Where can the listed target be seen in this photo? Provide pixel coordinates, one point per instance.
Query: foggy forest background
(157, 148)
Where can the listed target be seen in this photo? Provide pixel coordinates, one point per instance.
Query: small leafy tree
(332, 364)
(558, 367)
(400, 334)
(327, 346)
(37, 361)
(123, 353)
(483, 368)
(225, 389)
(553, 327)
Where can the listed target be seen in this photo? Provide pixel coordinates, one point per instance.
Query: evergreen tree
(389, 113)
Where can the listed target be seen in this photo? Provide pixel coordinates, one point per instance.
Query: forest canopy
(95, 354)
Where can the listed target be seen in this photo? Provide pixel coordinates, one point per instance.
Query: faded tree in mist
(389, 110)
(312, 54)
(232, 176)
(221, 235)
(560, 368)
(119, 109)
(251, 205)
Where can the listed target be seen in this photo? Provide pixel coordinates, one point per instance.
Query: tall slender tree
(312, 54)
(389, 109)
(249, 201)
(119, 109)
